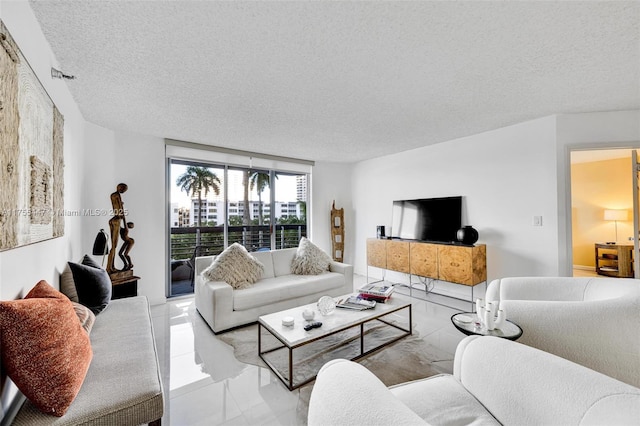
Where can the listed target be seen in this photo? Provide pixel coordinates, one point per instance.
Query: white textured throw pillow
(309, 259)
(236, 267)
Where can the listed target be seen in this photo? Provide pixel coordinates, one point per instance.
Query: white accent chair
(495, 381)
(594, 322)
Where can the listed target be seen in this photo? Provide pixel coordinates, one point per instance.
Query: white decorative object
(465, 319)
(288, 321)
(308, 314)
(489, 320)
(326, 305)
(480, 310)
(500, 319)
(494, 306)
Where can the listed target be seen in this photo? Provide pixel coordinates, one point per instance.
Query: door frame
(566, 266)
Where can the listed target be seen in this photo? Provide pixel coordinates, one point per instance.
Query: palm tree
(303, 210)
(196, 180)
(260, 181)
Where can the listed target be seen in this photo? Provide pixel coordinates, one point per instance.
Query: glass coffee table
(295, 355)
(467, 322)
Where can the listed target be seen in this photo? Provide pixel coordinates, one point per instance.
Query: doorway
(602, 212)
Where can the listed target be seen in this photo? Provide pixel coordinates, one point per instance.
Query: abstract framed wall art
(31, 153)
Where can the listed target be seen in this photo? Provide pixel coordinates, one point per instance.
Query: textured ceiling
(340, 81)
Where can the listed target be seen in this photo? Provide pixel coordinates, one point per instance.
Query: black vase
(467, 235)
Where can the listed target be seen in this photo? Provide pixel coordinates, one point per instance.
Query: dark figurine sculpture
(119, 228)
(127, 244)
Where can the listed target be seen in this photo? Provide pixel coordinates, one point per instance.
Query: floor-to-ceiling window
(213, 204)
(290, 216)
(196, 218)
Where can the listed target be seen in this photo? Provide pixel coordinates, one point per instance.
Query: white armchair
(495, 381)
(594, 322)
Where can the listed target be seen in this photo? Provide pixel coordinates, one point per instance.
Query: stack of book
(355, 302)
(380, 292)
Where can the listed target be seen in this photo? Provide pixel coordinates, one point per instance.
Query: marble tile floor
(205, 384)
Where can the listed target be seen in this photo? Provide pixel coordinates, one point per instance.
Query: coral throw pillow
(236, 267)
(309, 259)
(45, 350)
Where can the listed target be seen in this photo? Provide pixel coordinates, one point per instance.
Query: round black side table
(467, 323)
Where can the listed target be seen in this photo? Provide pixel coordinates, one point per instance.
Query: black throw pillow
(92, 284)
(88, 261)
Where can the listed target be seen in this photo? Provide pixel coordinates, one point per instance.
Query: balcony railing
(210, 241)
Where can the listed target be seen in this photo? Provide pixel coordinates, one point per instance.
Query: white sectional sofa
(594, 322)
(223, 307)
(495, 381)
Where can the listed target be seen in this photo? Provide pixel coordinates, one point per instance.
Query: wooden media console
(454, 263)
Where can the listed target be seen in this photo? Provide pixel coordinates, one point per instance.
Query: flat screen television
(427, 219)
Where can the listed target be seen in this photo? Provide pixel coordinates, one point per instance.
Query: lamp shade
(100, 246)
(615, 214)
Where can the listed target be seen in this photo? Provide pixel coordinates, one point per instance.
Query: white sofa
(594, 322)
(494, 381)
(223, 308)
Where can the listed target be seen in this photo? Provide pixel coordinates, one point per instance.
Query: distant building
(179, 216)
(213, 212)
(301, 188)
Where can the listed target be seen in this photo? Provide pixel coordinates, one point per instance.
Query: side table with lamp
(614, 260)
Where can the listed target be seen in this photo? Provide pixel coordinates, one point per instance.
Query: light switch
(537, 221)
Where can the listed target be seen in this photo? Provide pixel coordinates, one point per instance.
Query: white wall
(140, 164)
(332, 182)
(113, 157)
(99, 172)
(22, 268)
(506, 176)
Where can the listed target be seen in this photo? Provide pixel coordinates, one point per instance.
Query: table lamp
(100, 245)
(615, 215)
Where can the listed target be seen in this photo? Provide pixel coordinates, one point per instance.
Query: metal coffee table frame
(288, 382)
